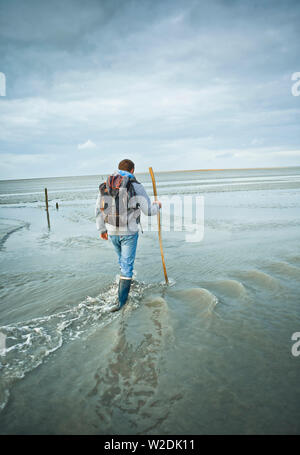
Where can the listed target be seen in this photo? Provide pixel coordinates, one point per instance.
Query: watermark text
(2, 343)
(2, 84)
(296, 346)
(296, 86)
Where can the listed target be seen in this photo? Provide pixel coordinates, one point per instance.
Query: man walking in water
(118, 219)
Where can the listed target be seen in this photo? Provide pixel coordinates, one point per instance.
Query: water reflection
(127, 387)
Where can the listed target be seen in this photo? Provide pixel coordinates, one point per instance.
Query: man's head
(126, 165)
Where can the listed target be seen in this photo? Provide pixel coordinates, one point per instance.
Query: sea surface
(210, 353)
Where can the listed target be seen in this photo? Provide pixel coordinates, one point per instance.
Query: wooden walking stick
(159, 227)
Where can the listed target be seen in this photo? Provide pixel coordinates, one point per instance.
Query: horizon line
(161, 172)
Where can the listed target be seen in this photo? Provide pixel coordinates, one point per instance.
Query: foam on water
(29, 343)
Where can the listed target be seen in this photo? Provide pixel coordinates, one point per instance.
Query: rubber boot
(124, 287)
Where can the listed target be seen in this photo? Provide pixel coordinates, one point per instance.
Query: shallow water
(211, 353)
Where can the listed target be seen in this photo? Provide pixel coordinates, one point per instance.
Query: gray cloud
(187, 83)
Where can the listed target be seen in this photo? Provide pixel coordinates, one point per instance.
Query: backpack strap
(132, 192)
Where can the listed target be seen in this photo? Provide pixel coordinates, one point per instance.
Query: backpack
(120, 190)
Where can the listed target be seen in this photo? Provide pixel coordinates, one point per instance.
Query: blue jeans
(125, 246)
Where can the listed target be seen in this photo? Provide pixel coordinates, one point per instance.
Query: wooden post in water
(46, 198)
(159, 226)
(48, 219)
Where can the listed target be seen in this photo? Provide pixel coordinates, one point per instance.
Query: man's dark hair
(126, 165)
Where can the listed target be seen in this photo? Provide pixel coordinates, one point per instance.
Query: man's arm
(144, 201)
(100, 219)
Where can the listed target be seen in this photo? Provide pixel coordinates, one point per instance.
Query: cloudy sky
(172, 84)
